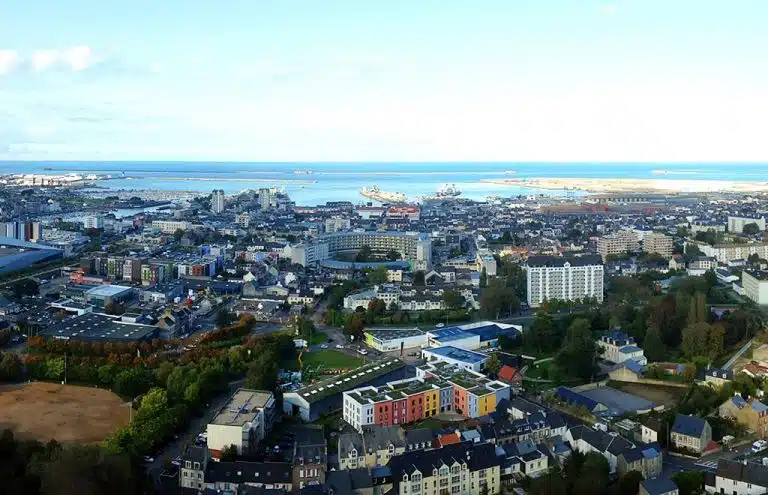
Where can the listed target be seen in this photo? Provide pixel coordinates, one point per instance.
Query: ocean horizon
(341, 181)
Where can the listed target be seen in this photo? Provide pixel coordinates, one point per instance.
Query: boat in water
(377, 194)
(303, 172)
(444, 192)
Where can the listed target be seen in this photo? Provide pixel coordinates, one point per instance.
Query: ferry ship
(377, 194)
(303, 172)
(444, 192)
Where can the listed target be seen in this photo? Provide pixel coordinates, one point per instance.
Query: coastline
(613, 185)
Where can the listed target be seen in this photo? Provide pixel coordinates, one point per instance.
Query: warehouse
(312, 401)
(102, 296)
(472, 335)
(386, 340)
(99, 327)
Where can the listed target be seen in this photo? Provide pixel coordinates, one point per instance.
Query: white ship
(377, 194)
(303, 172)
(444, 192)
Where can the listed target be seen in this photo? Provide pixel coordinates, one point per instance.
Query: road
(196, 425)
(736, 356)
(36, 274)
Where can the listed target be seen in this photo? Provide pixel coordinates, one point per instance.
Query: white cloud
(79, 58)
(44, 59)
(8, 60)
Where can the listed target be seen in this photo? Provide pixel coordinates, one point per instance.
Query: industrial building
(17, 254)
(243, 421)
(102, 296)
(99, 327)
(565, 279)
(311, 401)
(472, 335)
(386, 340)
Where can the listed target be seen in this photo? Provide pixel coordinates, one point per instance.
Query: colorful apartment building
(437, 388)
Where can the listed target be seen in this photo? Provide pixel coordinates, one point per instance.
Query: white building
(217, 201)
(755, 285)
(386, 340)
(243, 219)
(737, 224)
(619, 347)
(336, 225)
(170, 226)
(728, 252)
(567, 279)
(243, 422)
(93, 222)
(736, 478)
(455, 356)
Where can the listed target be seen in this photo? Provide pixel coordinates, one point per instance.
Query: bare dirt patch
(66, 413)
(658, 394)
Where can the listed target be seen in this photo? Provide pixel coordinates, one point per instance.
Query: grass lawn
(539, 371)
(328, 358)
(319, 338)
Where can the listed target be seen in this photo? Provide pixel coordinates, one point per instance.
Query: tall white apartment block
(568, 279)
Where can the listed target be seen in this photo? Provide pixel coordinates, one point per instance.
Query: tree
(498, 299)
(751, 229)
(378, 275)
(539, 336)
(178, 234)
(483, 278)
(364, 254)
(689, 482)
(493, 364)
(89, 470)
(715, 340)
(695, 340)
(629, 484)
(10, 367)
(25, 287)
(698, 309)
(577, 356)
(393, 255)
(228, 453)
(452, 299)
(593, 476)
(153, 403)
(224, 318)
(132, 382)
(689, 372)
(652, 344)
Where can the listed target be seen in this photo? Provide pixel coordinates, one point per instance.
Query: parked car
(324, 346)
(759, 446)
(339, 346)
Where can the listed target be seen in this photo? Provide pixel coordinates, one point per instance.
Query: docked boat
(377, 194)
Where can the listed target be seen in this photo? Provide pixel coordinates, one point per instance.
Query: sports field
(66, 413)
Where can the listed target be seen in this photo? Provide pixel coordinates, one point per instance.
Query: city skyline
(416, 81)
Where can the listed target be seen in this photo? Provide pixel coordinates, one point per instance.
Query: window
(197, 466)
(188, 464)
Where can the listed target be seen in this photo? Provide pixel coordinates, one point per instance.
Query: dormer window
(405, 477)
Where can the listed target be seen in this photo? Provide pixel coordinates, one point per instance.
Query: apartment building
(243, 422)
(243, 219)
(438, 387)
(658, 243)
(463, 468)
(336, 224)
(736, 224)
(729, 252)
(568, 279)
(217, 201)
(755, 285)
(618, 243)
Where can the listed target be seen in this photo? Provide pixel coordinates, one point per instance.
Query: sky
(384, 80)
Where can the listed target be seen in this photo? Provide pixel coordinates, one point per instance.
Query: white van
(759, 446)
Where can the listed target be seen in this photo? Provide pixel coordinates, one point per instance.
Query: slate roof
(755, 474)
(658, 486)
(567, 395)
(480, 456)
(688, 425)
(419, 435)
(249, 472)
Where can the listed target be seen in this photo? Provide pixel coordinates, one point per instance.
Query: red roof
(449, 439)
(507, 373)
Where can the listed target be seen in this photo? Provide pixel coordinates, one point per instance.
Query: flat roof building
(243, 421)
(461, 358)
(99, 327)
(386, 340)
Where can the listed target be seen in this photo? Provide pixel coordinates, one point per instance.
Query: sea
(318, 182)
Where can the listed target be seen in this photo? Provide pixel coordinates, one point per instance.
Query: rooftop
(95, 326)
(107, 290)
(243, 407)
(348, 381)
(458, 354)
(395, 333)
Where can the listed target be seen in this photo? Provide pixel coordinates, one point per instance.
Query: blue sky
(294, 80)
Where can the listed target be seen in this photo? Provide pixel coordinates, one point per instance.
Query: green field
(328, 359)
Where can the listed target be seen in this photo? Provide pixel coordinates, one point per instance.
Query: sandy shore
(634, 185)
